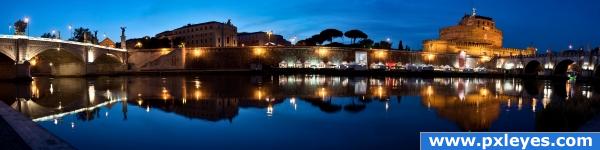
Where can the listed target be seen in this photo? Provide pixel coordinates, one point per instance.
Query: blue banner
(510, 140)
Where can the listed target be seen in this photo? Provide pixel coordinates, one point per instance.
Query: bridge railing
(59, 41)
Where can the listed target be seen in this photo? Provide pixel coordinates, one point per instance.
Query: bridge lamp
(26, 20)
(33, 62)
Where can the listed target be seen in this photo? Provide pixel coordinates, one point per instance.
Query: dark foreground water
(292, 112)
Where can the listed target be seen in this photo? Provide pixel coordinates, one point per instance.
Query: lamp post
(269, 33)
(70, 30)
(26, 20)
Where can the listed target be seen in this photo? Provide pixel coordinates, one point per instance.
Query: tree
(20, 27)
(83, 35)
(329, 34)
(400, 45)
(354, 34)
(317, 39)
(366, 43)
(48, 35)
(335, 44)
(383, 45)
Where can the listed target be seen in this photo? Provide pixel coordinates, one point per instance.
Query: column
(21, 64)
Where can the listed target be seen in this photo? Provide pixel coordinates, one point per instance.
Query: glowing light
(485, 58)
(387, 106)
(259, 94)
(509, 66)
(92, 93)
(198, 52)
(138, 45)
(140, 101)
(430, 57)
(533, 104)
(34, 90)
(165, 93)
(484, 92)
(270, 110)
(164, 51)
(429, 90)
(258, 51)
(322, 93)
(380, 92)
(322, 52)
(380, 54)
(197, 94)
(90, 56)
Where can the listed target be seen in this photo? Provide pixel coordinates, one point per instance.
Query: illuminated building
(476, 36)
(261, 39)
(208, 34)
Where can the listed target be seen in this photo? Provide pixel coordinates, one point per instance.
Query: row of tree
(328, 35)
(79, 35)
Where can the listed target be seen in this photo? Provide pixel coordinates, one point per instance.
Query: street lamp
(269, 33)
(70, 30)
(26, 20)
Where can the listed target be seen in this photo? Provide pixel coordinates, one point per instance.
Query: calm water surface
(292, 112)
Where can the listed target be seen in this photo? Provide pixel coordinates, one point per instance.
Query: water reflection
(470, 104)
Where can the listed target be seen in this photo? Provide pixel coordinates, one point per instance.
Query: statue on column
(123, 38)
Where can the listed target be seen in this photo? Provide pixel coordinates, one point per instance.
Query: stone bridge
(584, 64)
(23, 56)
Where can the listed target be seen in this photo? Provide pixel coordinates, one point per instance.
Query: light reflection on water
(343, 110)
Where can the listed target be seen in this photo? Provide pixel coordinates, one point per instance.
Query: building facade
(108, 43)
(261, 39)
(208, 34)
(475, 36)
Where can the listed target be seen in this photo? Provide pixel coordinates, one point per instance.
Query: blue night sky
(547, 23)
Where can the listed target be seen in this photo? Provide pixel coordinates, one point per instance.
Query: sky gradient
(547, 24)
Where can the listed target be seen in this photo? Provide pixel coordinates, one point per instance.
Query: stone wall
(295, 57)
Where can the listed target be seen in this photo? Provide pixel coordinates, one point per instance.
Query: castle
(474, 36)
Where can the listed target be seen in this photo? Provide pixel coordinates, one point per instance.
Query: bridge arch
(57, 62)
(107, 63)
(533, 67)
(8, 67)
(8, 53)
(77, 51)
(564, 67)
